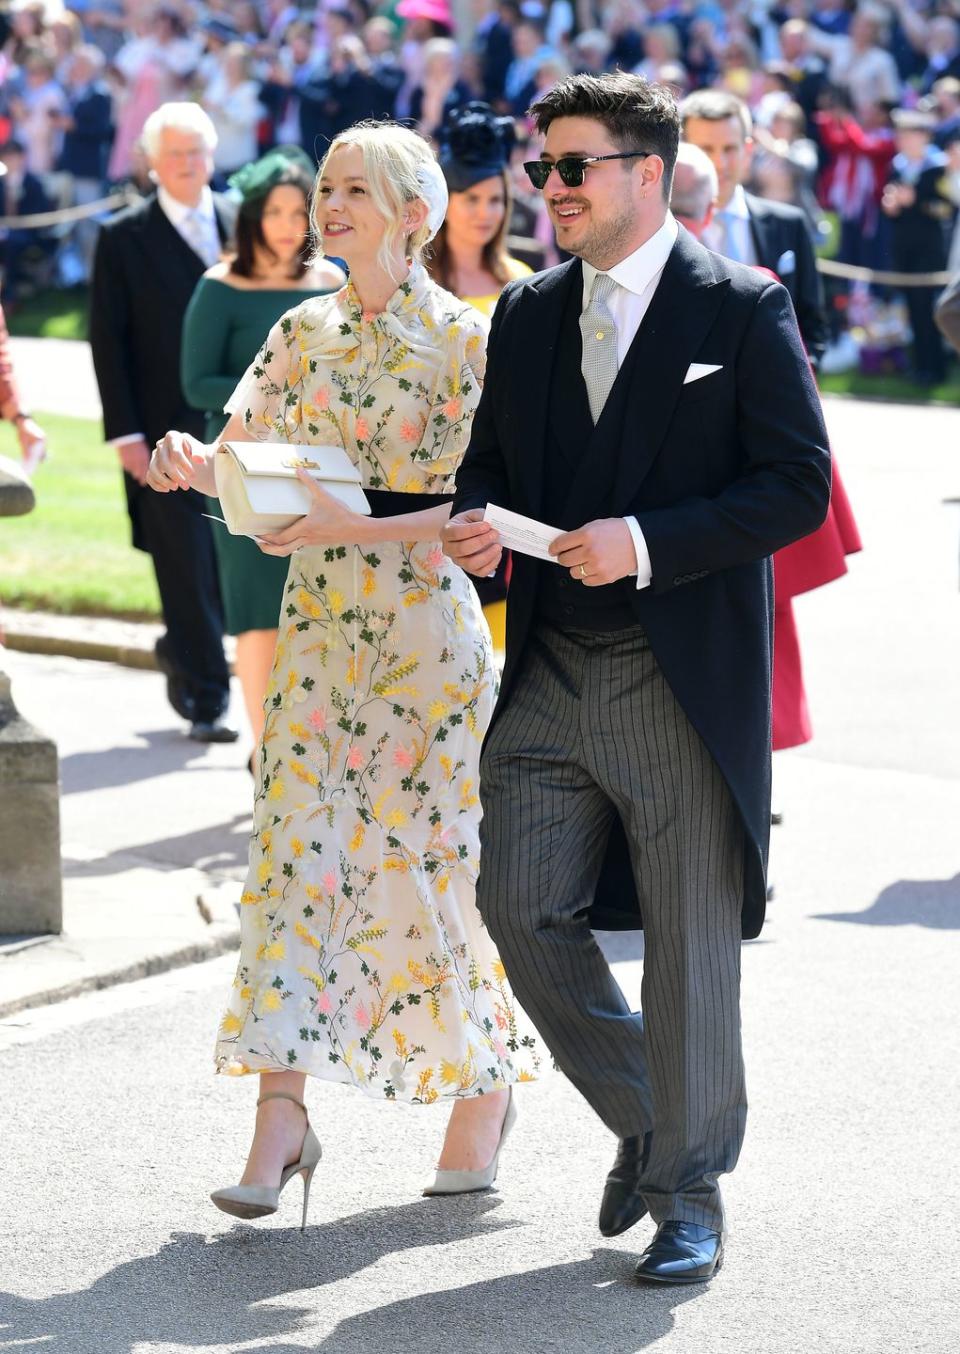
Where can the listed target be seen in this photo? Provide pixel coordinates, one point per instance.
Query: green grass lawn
(73, 552)
(52, 314)
(898, 388)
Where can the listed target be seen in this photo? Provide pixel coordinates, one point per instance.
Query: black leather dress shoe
(179, 694)
(213, 731)
(622, 1204)
(681, 1252)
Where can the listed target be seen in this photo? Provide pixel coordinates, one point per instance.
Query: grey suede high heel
(258, 1201)
(467, 1182)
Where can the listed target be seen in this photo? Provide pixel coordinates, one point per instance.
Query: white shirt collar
(177, 212)
(737, 206)
(637, 270)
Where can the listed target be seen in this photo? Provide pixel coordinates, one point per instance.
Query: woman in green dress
(235, 304)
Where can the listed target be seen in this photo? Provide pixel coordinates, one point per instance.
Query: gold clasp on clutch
(302, 464)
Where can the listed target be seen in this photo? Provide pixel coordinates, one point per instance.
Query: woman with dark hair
(236, 302)
(469, 255)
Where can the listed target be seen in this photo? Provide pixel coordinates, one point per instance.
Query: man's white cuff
(644, 567)
(126, 439)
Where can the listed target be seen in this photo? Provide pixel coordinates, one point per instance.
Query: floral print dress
(363, 958)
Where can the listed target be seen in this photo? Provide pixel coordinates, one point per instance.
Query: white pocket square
(698, 369)
(786, 263)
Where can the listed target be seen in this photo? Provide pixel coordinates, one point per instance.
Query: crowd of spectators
(856, 106)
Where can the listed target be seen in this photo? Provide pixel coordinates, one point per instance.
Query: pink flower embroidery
(500, 1047)
(410, 431)
(324, 1004)
(362, 430)
(329, 881)
(452, 408)
(362, 1016)
(317, 719)
(402, 757)
(322, 398)
(356, 759)
(435, 558)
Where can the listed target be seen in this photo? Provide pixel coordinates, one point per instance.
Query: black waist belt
(389, 503)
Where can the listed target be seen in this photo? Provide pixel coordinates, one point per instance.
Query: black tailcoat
(144, 274)
(720, 472)
(782, 240)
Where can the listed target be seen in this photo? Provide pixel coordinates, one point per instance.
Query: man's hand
(472, 543)
(135, 459)
(598, 553)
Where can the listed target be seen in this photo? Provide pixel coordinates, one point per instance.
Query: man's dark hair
(636, 114)
(716, 105)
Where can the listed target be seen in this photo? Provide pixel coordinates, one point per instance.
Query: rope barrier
(883, 278)
(38, 220)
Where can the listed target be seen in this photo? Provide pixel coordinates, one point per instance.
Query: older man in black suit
(749, 229)
(653, 400)
(147, 264)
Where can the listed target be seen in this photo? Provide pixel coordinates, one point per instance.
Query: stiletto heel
(466, 1182)
(258, 1201)
(307, 1182)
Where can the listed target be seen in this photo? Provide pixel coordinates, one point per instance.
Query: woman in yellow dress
(363, 958)
(469, 255)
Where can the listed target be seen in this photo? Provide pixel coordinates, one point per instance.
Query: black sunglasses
(571, 167)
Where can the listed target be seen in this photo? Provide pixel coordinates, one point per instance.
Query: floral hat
(475, 144)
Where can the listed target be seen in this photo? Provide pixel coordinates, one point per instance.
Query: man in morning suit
(147, 263)
(750, 229)
(653, 400)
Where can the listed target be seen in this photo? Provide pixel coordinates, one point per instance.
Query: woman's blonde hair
(392, 156)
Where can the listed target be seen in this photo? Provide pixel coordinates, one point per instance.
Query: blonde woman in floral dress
(363, 958)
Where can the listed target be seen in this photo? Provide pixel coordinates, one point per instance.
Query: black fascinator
(474, 145)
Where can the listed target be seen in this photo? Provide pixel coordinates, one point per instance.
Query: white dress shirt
(637, 277)
(740, 247)
(177, 213)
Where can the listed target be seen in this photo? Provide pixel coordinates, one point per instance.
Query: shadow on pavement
(166, 750)
(220, 847)
(934, 903)
(202, 1292)
(591, 1306)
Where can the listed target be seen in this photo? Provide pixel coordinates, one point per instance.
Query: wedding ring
(583, 572)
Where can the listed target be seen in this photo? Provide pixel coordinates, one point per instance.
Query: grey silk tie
(198, 236)
(599, 335)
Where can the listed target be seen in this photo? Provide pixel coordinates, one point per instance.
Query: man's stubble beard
(605, 242)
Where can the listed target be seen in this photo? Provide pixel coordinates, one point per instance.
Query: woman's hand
(327, 523)
(176, 461)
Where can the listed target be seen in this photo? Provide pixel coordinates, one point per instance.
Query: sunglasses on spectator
(571, 168)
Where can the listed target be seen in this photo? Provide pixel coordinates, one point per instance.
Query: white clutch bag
(259, 491)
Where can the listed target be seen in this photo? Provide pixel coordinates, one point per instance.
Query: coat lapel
(680, 316)
(542, 306)
(762, 228)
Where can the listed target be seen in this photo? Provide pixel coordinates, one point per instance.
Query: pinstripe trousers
(590, 729)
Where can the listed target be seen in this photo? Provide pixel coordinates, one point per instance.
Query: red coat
(807, 564)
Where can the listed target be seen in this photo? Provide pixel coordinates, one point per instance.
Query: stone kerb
(30, 881)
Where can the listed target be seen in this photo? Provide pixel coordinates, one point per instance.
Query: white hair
(694, 192)
(178, 117)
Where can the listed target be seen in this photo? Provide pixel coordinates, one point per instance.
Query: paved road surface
(843, 1210)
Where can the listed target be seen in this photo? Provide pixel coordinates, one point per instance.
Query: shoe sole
(619, 1231)
(240, 1210)
(677, 1278)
